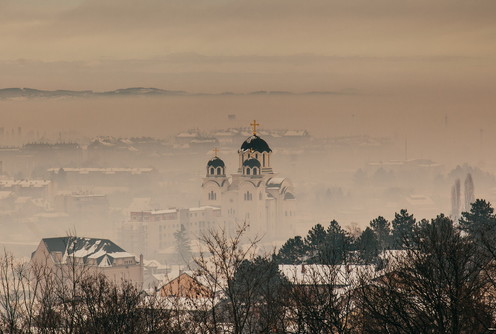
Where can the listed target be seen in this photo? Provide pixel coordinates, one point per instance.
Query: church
(255, 194)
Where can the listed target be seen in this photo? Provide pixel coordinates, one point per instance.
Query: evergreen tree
(382, 230)
(315, 240)
(403, 227)
(336, 247)
(480, 224)
(367, 246)
(316, 236)
(294, 251)
(183, 247)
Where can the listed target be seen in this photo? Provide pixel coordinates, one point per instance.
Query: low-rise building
(64, 254)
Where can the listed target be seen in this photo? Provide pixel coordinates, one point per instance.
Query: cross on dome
(254, 125)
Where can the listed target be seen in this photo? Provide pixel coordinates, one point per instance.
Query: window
(247, 170)
(248, 196)
(211, 171)
(255, 171)
(212, 196)
(219, 170)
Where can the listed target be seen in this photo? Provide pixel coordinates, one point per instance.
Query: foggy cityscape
(247, 167)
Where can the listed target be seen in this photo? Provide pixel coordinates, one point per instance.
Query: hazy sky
(372, 47)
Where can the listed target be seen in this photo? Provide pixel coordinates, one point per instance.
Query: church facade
(255, 194)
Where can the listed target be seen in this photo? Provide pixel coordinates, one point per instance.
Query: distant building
(130, 177)
(152, 232)
(94, 255)
(82, 203)
(30, 187)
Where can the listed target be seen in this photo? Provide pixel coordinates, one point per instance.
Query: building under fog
(255, 194)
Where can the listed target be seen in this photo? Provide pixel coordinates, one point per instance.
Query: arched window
(219, 170)
(212, 196)
(247, 170)
(255, 171)
(248, 196)
(211, 171)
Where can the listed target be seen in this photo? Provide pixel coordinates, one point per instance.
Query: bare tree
(437, 286)
(237, 291)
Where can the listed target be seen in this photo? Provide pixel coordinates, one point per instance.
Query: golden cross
(254, 125)
(216, 150)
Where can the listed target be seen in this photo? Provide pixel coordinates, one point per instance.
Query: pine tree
(403, 226)
(183, 247)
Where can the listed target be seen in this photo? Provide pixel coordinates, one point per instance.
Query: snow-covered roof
(202, 208)
(103, 251)
(102, 170)
(275, 182)
(24, 183)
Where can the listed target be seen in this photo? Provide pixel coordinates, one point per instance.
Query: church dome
(256, 144)
(252, 162)
(216, 162)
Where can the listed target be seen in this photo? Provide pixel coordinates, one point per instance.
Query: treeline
(334, 245)
(439, 276)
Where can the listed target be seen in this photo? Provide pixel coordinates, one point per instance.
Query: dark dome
(216, 162)
(252, 162)
(256, 144)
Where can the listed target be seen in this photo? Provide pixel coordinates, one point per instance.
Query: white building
(152, 232)
(254, 194)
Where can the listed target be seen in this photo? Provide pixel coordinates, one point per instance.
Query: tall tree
(469, 191)
(336, 246)
(403, 226)
(258, 282)
(183, 247)
(382, 230)
(455, 200)
(294, 251)
(367, 246)
(480, 225)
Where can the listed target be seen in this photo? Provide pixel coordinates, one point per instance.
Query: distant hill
(8, 93)
(26, 93)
